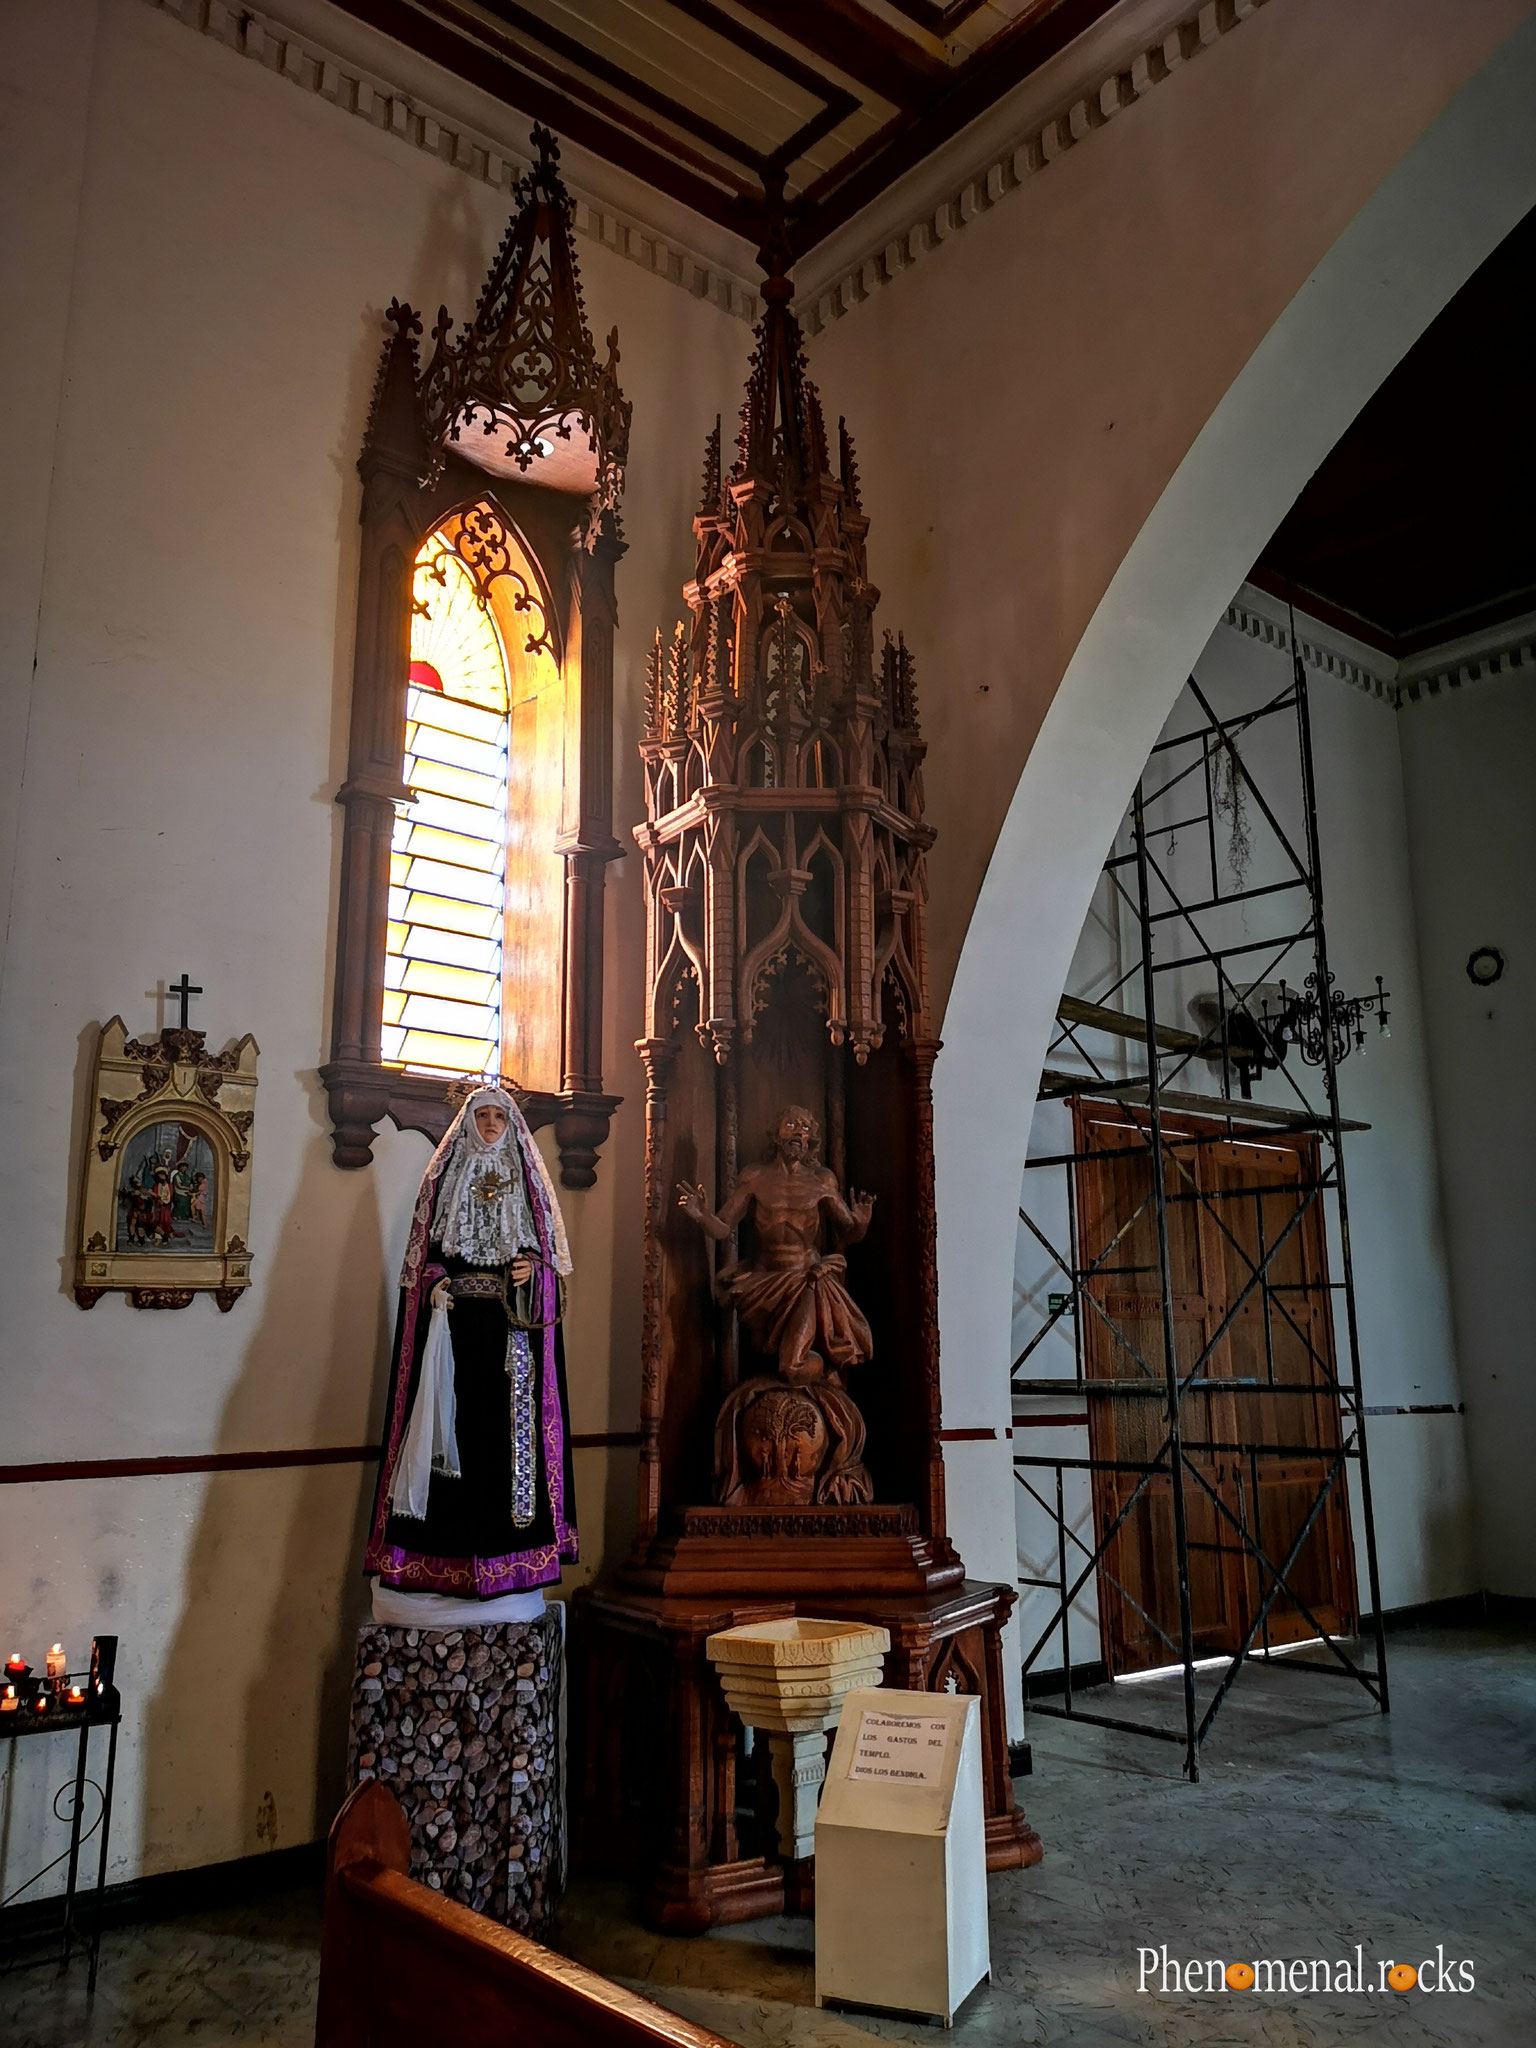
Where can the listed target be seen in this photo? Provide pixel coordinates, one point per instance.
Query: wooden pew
(400, 1966)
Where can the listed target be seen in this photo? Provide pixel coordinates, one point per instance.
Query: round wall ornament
(1485, 965)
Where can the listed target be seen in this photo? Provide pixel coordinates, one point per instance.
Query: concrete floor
(1317, 1825)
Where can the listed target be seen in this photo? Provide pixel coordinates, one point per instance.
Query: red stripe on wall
(968, 1436)
(245, 1461)
(213, 1461)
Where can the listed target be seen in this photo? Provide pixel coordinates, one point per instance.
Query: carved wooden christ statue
(793, 1438)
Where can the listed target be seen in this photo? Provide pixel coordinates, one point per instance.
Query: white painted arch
(1446, 205)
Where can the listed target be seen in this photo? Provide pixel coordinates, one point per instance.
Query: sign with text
(901, 1749)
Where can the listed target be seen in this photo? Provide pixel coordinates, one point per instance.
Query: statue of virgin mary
(474, 1499)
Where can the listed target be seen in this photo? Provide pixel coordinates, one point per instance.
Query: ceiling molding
(317, 66)
(1474, 659)
(972, 175)
(1258, 616)
(1499, 651)
(326, 53)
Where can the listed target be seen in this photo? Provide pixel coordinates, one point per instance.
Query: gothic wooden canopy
(510, 445)
(785, 873)
(776, 747)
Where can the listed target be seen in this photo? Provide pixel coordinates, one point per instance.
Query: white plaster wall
(208, 308)
(1402, 1276)
(1037, 656)
(203, 254)
(1469, 760)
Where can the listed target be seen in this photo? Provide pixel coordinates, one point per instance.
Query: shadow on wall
(250, 1713)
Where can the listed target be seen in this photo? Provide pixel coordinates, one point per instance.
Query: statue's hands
(441, 1295)
(861, 1207)
(692, 1200)
(521, 1269)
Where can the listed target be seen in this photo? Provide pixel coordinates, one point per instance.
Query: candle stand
(49, 1937)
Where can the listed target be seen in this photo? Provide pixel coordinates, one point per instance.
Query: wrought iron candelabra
(1309, 1018)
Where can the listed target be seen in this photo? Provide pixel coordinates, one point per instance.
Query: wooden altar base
(654, 1748)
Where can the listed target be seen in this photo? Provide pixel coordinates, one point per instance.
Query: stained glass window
(442, 999)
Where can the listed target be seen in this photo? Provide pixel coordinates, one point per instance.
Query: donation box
(901, 1855)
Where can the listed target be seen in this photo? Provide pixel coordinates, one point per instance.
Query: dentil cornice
(338, 59)
(1501, 650)
(1101, 75)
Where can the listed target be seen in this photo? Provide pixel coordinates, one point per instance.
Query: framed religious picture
(165, 1185)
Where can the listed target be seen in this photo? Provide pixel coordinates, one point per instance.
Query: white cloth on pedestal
(395, 1609)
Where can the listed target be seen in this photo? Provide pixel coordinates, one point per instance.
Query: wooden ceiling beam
(861, 45)
(979, 83)
(713, 191)
(522, 37)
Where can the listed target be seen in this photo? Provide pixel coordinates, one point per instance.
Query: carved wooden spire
(776, 740)
(521, 391)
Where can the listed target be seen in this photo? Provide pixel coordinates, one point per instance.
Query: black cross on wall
(183, 990)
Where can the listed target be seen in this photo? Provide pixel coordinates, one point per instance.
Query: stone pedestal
(463, 1726)
(788, 1679)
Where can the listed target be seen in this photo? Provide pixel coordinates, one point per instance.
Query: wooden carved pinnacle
(677, 682)
(654, 708)
(848, 464)
(709, 490)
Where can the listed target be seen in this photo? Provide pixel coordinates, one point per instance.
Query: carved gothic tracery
(783, 785)
(509, 447)
(521, 387)
(790, 1441)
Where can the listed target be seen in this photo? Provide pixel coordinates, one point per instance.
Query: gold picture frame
(165, 1182)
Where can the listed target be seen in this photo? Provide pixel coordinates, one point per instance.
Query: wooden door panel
(1323, 1574)
(1256, 1208)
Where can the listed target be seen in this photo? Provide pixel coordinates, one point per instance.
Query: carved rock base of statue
(779, 1446)
(463, 1726)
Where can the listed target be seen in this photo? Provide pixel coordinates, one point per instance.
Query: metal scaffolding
(1170, 932)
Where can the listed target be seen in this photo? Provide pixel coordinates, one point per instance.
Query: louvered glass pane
(442, 1007)
(459, 750)
(427, 978)
(459, 949)
(463, 885)
(432, 777)
(448, 815)
(441, 912)
(441, 1054)
(457, 848)
(433, 717)
(432, 1013)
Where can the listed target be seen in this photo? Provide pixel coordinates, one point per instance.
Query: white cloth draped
(431, 1441)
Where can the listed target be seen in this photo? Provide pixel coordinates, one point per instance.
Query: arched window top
(476, 897)
(456, 648)
(483, 686)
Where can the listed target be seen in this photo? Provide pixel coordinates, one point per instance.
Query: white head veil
(475, 1194)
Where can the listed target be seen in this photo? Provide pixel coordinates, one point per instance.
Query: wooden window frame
(574, 554)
